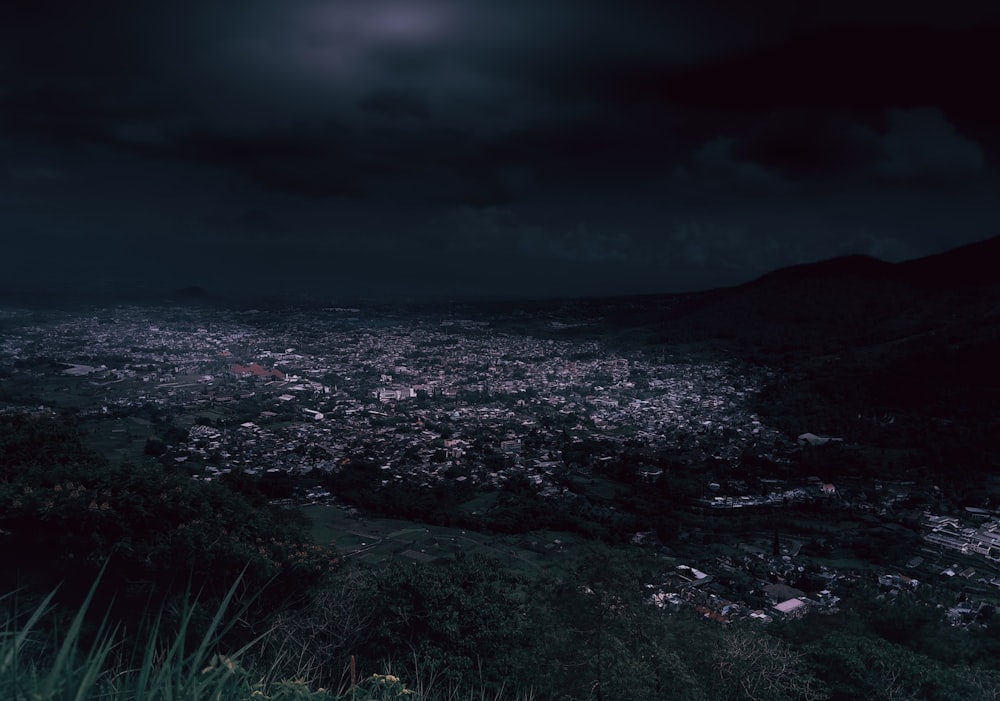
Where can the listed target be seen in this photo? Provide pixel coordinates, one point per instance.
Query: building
(255, 370)
(790, 608)
(813, 439)
(511, 446)
(386, 394)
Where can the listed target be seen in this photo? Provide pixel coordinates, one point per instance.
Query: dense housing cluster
(440, 402)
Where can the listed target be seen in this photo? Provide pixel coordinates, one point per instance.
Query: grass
(378, 541)
(481, 503)
(40, 662)
(119, 439)
(599, 487)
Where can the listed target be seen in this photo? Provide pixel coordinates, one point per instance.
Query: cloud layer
(581, 148)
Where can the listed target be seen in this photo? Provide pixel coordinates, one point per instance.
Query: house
(791, 608)
(691, 575)
(255, 370)
(511, 446)
(813, 439)
(387, 394)
(895, 581)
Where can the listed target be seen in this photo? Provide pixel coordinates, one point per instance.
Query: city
(297, 398)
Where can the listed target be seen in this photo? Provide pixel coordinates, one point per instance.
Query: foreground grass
(38, 662)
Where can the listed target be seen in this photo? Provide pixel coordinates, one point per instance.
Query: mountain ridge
(846, 301)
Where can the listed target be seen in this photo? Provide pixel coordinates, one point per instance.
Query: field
(594, 486)
(479, 504)
(378, 541)
(119, 439)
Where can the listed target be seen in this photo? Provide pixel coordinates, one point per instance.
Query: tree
(456, 616)
(65, 514)
(154, 447)
(597, 636)
(756, 667)
(313, 637)
(864, 666)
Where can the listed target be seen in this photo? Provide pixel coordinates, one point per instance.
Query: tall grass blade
(68, 648)
(10, 656)
(94, 666)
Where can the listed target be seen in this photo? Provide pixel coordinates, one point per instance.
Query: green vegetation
(38, 662)
(204, 591)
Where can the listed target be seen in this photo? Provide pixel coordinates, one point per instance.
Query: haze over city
(443, 148)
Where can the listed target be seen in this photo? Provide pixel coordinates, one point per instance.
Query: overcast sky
(500, 148)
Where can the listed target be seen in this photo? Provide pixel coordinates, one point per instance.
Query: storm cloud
(438, 147)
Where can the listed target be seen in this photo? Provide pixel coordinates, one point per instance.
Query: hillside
(857, 337)
(850, 303)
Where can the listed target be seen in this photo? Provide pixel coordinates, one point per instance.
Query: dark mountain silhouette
(855, 303)
(844, 303)
(977, 264)
(856, 266)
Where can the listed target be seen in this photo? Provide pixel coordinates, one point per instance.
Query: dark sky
(507, 147)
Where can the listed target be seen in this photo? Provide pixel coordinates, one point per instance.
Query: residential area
(436, 402)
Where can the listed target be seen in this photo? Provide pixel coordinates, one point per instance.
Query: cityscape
(438, 350)
(436, 401)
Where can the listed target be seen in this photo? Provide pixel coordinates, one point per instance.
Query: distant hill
(967, 266)
(846, 303)
(856, 266)
(837, 304)
(970, 265)
(855, 336)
